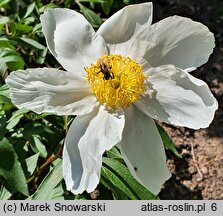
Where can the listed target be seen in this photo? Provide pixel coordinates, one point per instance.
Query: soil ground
(199, 173)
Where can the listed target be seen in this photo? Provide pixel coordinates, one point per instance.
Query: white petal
(71, 39)
(143, 150)
(123, 27)
(72, 165)
(178, 41)
(176, 97)
(91, 136)
(51, 90)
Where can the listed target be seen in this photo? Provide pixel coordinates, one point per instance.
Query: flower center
(115, 80)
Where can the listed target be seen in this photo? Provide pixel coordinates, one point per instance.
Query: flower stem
(4, 72)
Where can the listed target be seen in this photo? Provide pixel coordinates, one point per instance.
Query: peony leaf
(27, 42)
(48, 189)
(168, 144)
(4, 193)
(31, 163)
(11, 170)
(92, 17)
(106, 6)
(119, 175)
(38, 146)
(30, 9)
(16, 116)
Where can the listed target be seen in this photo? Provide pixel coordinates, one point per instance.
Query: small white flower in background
(116, 80)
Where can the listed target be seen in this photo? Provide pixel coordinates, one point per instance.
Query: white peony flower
(116, 80)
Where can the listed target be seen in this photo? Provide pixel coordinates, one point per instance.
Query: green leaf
(31, 163)
(37, 27)
(92, 17)
(106, 6)
(168, 144)
(30, 9)
(46, 7)
(5, 94)
(23, 28)
(4, 42)
(46, 137)
(127, 1)
(41, 58)
(16, 116)
(32, 43)
(4, 2)
(116, 192)
(118, 182)
(114, 153)
(119, 175)
(41, 116)
(28, 42)
(58, 192)
(4, 193)
(11, 58)
(38, 146)
(68, 3)
(4, 19)
(48, 188)
(28, 20)
(4, 89)
(11, 169)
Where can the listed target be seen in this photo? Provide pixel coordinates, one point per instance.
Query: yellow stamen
(116, 81)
